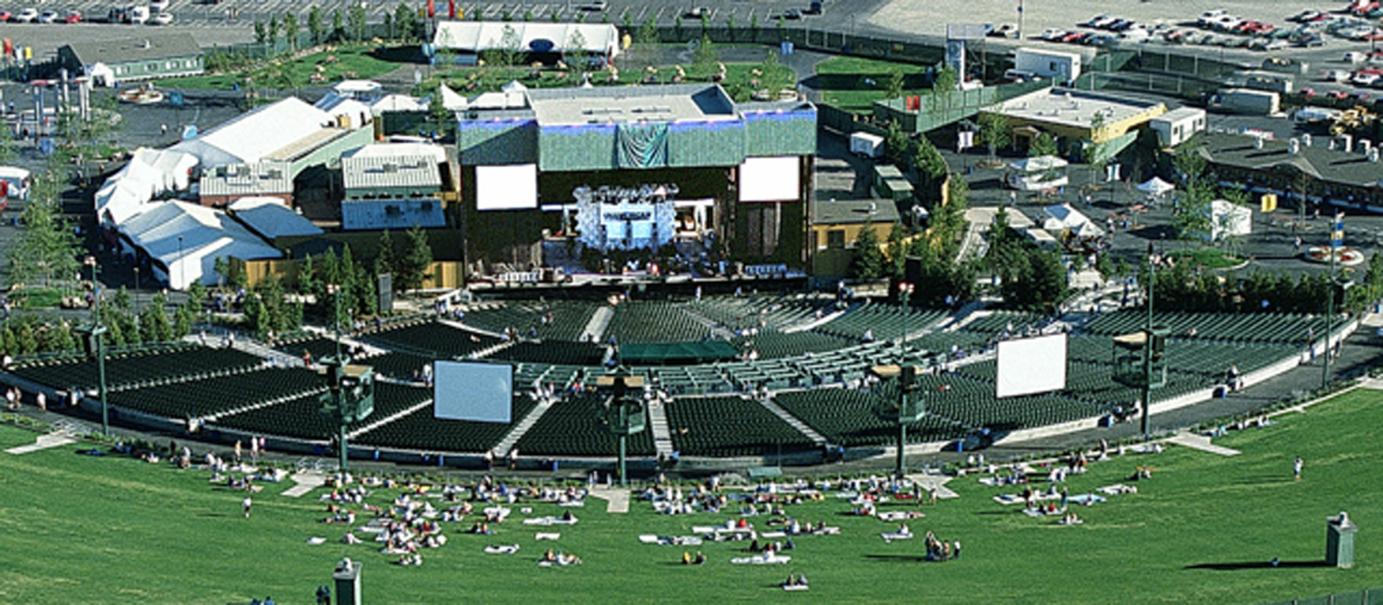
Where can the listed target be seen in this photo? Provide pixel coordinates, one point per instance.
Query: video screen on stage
(1031, 365)
(770, 179)
(478, 392)
(506, 187)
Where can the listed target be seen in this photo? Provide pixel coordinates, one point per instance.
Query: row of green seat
(729, 426)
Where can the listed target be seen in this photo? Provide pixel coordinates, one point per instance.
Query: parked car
(1303, 16)
(697, 12)
(792, 14)
(815, 8)
(596, 6)
(1003, 30)
(73, 16)
(1052, 34)
(159, 5)
(27, 15)
(161, 19)
(1335, 75)
(1098, 21)
(48, 16)
(1362, 79)
(1075, 37)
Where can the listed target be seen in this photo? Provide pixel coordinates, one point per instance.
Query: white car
(1335, 75)
(48, 17)
(161, 19)
(1364, 79)
(159, 5)
(1052, 33)
(27, 15)
(1209, 17)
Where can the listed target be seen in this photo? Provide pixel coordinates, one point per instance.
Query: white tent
(149, 173)
(185, 240)
(451, 99)
(250, 137)
(1037, 174)
(394, 150)
(1229, 220)
(397, 102)
(1062, 217)
(1155, 187)
(479, 36)
(357, 113)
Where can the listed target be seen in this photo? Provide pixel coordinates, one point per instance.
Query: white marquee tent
(184, 240)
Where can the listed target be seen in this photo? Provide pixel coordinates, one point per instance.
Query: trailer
(1245, 101)
(1064, 67)
(866, 145)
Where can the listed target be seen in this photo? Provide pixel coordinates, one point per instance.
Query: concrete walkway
(1202, 443)
(935, 483)
(304, 482)
(595, 328)
(657, 422)
(801, 427)
(527, 422)
(43, 442)
(616, 500)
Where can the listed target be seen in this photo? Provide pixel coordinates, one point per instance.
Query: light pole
(1337, 241)
(182, 272)
(136, 288)
(620, 418)
(95, 344)
(350, 397)
(910, 408)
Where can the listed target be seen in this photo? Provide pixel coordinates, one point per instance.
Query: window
(835, 238)
(152, 67)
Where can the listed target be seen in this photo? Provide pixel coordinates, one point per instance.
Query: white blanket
(899, 515)
(893, 535)
(546, 521)
(544, 537)
(762, 560)
(502, 549)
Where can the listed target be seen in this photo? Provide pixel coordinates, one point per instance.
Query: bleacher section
(729, 426)
(568, 318)
(432, 340)
(576, 427)
(1279, 328)
(302, 418)
(396, 365)
(553, 352)
(212, 396)
(852, 418)
(774, 345)
(885, 321)
(655, 321)
(421, 431)
(762, 312)
(125, 370)
(320, 347)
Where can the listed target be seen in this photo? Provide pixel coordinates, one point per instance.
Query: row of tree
(1183, 287)
(353, 27)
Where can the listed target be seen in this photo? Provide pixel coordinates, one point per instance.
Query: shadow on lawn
(896, 558)
(1257, 565)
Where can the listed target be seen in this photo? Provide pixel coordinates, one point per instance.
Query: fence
(1368, 596)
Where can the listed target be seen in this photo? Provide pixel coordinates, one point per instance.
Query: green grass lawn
(1210, 258)
(75, 529)
(854, 83)
(740, 78)
(346, 62)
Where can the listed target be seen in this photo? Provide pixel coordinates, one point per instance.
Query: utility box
(347, 576)
(1339, 541)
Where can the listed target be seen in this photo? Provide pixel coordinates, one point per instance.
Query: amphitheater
(788, 386)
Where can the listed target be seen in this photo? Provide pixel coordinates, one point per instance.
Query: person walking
(1296, 468)
(245, 506)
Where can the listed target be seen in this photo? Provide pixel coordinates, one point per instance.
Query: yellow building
(1074, 114)
(836, 228)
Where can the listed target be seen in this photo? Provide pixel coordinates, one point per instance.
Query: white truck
(1064, 67)
(1245, 101)
(866, 145)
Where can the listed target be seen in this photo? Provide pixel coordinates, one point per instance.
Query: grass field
(1210, 258)
(75, 529)
(345, 62)
(854, 83)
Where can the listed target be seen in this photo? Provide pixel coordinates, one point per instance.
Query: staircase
(519, 429)
(600, 320)
(657, 422)
(801, 427)
(387, 419)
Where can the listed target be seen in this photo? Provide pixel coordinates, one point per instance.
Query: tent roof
(397, 102)
(677, 352)
(396, 150)
(253, 136)
(171, 231)
(477, 36)
(1156, 186)
(451, 99)
(1039, 163)
(270, 218)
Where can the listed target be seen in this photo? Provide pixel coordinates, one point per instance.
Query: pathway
(934, 483)
(522, 427)
(1200, 442)
(304, 482)
(801, 427)
(595, 328)
(616, 499)
(51, 440)
(657, 422)
(390, 418)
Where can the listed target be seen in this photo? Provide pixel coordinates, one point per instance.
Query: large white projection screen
(506, 187)
(1031, 365)
(770, 179)
(479, 392)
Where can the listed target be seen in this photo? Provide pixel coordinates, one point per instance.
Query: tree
(384, 254)
(46, 246)
(869, 262)
(506, 51)
(290, 31)
(308, 284)
(1043, 145)
(366, 300)
(942, 86)
(7, 151)
(338, 30)
(356, 19)
(154, 323)
(1035, 280)
(775, 76)
(575, 54)
(897, 251)
(930, 166)
(261, 33)
(894, 88)
(273, 32)
(895, 142)
(413, 267)
(1189, 163)
(647, 38)
(405, 22)
(437, 109)
(994, 132)
(316, 29)
(1191, 213)
(706, 57)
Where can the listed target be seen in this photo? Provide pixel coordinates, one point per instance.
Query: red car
(1308, 92)
(1074, 36)
(73, 17)
(5, 16)
(1338, 95)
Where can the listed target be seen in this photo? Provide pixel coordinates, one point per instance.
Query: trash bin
(1339, 541)
(347, 577)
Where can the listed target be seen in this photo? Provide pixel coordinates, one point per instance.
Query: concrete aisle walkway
(616, 500)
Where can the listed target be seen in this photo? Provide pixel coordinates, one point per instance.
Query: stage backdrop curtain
(642, 145)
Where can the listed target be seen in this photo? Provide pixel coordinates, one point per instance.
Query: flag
(451, 9)
(1337, 233)
(431, 9)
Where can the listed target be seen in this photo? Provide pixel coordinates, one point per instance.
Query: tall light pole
(1139, 358)
(95, 345)
(350, 397)
(624, 415)
(1337, 241)
(182, 271)
(136, 288)
(910, 407)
